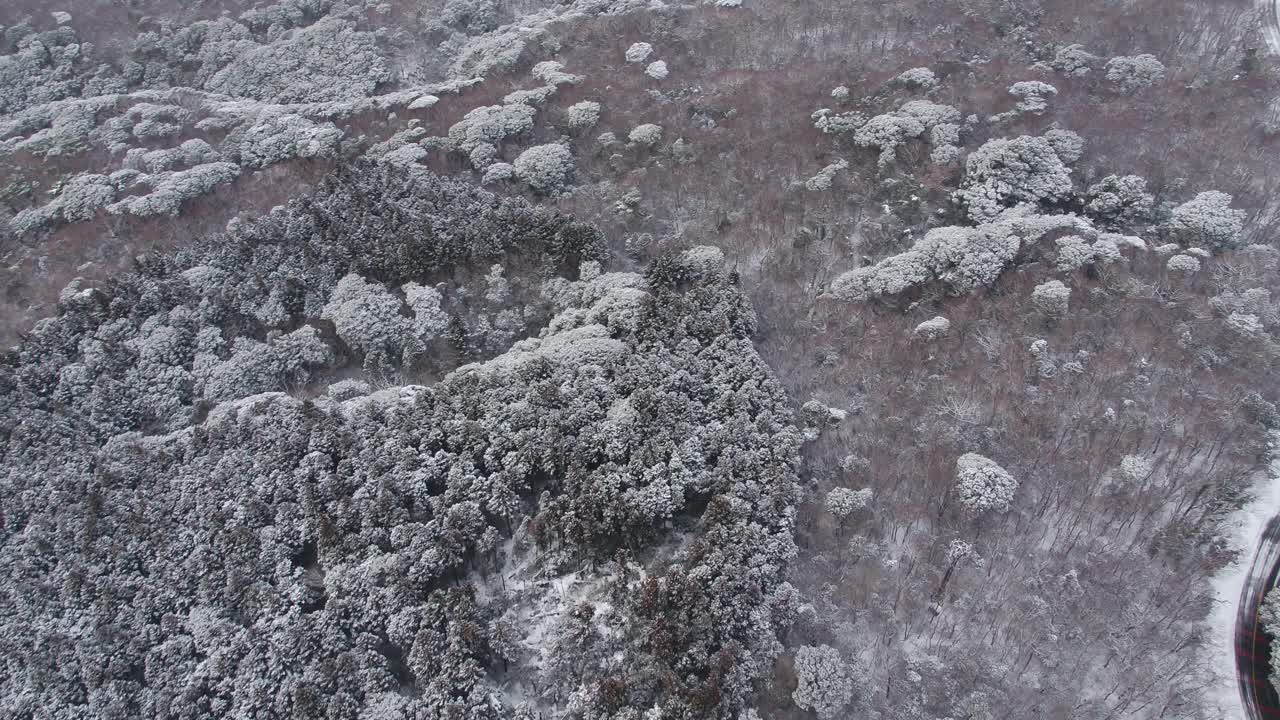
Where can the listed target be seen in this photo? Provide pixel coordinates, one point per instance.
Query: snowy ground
(1247, 527)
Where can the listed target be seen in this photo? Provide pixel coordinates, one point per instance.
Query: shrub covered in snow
(967, 258)
(919, 78)
(1066, 143)
(1183, 264)
(546, 168)
(831, 123)
(583, 115)
(1105, 251)
(1120, 201)
(944, 154)
(482, 156)
(913, 119)
(895, 274)
(40, 67)
(933, 328)
(638, 52)
(328, 60)
(490, 124)
(944, 134)
(153, 120)
(429, 319)
(367, 317)
(170, 189)
(1003, 173)
(552, 73)
(498, 172)
(1134, 73)
(276, 137)
(1073, 253)
(1073, 60)
(646, 134)
(1032, 96)
(423, 102)
(982, 485)
(963, 257)
(1246, 324)
(822, 181)
(1207, 219)
(842, 502)
(534, 97)
(1051, 298)
(79, 199)
(825, 685)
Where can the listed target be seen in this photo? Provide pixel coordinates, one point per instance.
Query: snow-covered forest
(624, 360)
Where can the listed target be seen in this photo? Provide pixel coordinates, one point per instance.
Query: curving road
(1253, 646)
(1271, 24)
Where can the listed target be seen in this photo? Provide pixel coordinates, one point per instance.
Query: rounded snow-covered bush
(1120, 201)
(944, 154)
(893, 275)
(367, 317)
(1032, 96)
(424, 102)
(1106, 251)
(1051, 298)
(921, 78)
(536, 97)
(822, 181)
(929, 113)
(943, 134)
(583, 115)
(657, 70)
(1246, 324)
(326, 61)
(1208, 219)
(837, 123)
(170, 189)
(1134, 73)
(483, 155)
(1183, 264)
(1073, 60)
(933, 328)
(498, 172)
(1135, 468)
(277, 137)
(1073, 253)
(639, 52)
(546, 168)
(982, 485)
(842, 502)
(552, 72)
(646, 134)
(887, 132)
(490, 124)
(1066, 143)
(824, 682)
(1004, 172)
(967, 258)
(840, 94)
